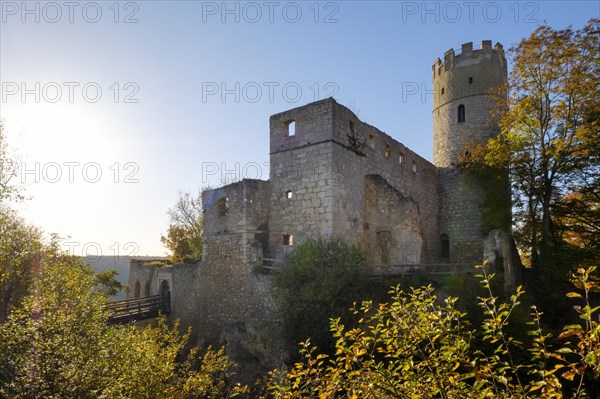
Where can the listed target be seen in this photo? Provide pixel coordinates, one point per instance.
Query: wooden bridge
(136, 309)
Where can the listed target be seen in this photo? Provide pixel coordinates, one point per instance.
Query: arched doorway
(165, 293)
(165, 288)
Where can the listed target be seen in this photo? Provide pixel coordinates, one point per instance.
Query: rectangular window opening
(223, 205)
(371, 141)
(288, 239)
(290, 128)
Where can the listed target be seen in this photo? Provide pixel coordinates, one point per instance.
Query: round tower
(461, 117)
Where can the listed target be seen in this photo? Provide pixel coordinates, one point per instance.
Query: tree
(20, 253)
(549, 117)
(58, 344)
(321, 279)
(8, 171)
(416, 346)
(184, 235)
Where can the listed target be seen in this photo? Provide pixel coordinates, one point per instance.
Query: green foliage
(107, 283)
(549, 119)
(184, 236)
(9, 190)
(20, 252)
(417, 347)
(58, 345)
(320, 279)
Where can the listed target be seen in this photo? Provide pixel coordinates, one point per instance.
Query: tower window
(352, 129)
(445, 247)
(288, 239)
(414, 167)
(290, 128)
(442, 91)
(223, 206)
(288, 194)
(470, 80)
(401, 158)
(371, 141)
(388, 151)
(461, 113)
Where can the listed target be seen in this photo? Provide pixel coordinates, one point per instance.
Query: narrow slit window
(445, 247)
(371, 141)
(290, 128)
(401, 159)
(470, 80)
(289, 194)
(414, 167)
(461, 113)
(388, 151)
(288, 239)
(442, 91)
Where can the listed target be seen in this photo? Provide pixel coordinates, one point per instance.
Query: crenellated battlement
(466, 53)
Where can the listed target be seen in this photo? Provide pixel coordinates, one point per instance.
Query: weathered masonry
(335, 175)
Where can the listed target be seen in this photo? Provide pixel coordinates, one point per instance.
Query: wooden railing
(135, 309)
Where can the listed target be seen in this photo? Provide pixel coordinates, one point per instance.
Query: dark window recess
(461, 113)
(470, 81)
(288, 239)
(289, 194)
(445, 247)
(352, 129)
(388, 151)
(223, 205)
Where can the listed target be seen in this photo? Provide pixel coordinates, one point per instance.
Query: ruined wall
(378, 153)
(232, 293)
(393, 227)
(463, 80)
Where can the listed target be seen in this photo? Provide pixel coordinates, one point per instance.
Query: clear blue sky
(115, 107)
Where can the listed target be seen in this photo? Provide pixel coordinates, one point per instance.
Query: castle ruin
(332, 174)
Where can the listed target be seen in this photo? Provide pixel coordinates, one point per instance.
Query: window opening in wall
(445, 247)
(401, 159)
(352, 129)
(461, 113)
(471, 81)
(288, 239)
(288, 194)
(388, 151)
(223, 206)
(290, 128)
(442, 91)
(414, 167)
(371, 141)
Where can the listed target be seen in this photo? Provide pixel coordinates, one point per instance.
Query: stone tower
(461, 113)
